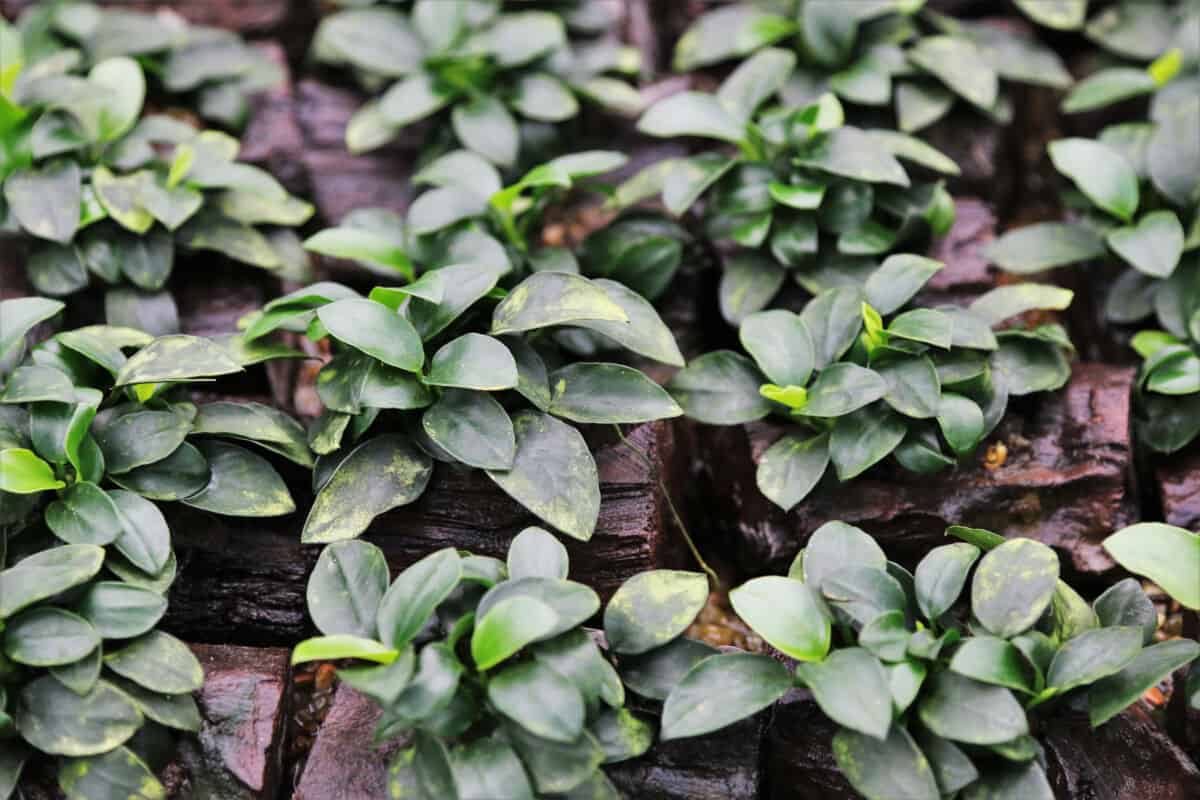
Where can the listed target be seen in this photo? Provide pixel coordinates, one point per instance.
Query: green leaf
(941, 576)
(517, 39)
(538, 699)
(382, 473)
(1093, 655)
(1108, 86)
(573, 603)
(346, 587)
(960, 65)
(508, 627)
(851, 153)
(438, 209)
(692, 114)
(241, 484)
(652, 608)
(897, 280)
(553, 298)
(145, 539)
(843, 388)
(534, 553)
(84, 514)
(1173, 156)
(885, 770)
(720, 388)
(255, 422)
(383, 683)
(997, 305)
(690, 178)
(485, 126)
(473, 361)
(1100, 172)
(1167, 555)
(961, 422)
(657, 672)
(1027, 365)
(786, 613)
(117, 773)
(644, 333)
(1112, 695)
(22, 472)
(545, 98)
(791, 468)
(46, 200)
(852, 688)
(748, 283)
(48, 636)
(988, 659)
(1124, 603)
(328, 648)
(376, 40)
(1063, 15)
(919, 105)
(608, 393)
(887, 637)
(176, 358)
(834, 319)
(553, 475)
(556, 767)
(864, 593)
(952, 769)
(360, 245)
(924, 325)
(780, 344)
(473, 428)
(910, 148)
(754, 81)
(55, 720)
(726, 32)
(1013, 585)
(622, 734)
(19, 315)
(1044, 245)
(963, 710)
(410, 99)
(864, 438)
(158, 662)
(1153, 246)
(120, 196)
(912, 386)
(353, 381)
(120, 611)
(489, 768)
(47, 573)
(375, 330)
(721, 690)
(123, 78)
(415, 595)
(138, 438)
(181, 474)
(836, 545)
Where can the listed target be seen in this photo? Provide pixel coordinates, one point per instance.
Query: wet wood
(243, 580)
(1178, 479)
(272, 138)
(1064, 480)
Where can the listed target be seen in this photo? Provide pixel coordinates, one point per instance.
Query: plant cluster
(96, 188)
(926, 387)
(482, 66)
(484, 670)
(91, 439)
(878, 54)
(807, 196)
(211, 70)
(934, 691)
(1135, 196)
(478, 349)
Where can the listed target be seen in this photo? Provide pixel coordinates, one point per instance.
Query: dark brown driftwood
(237, 754)
(1064, 480)
(243, 580)
(342, 182)
(966, 273)
(1178, 478)
(272, 138)
(725, 765)
(1128, 757)
(344, 763)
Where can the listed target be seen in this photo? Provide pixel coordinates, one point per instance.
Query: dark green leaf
(158, 662)
(852, 688)
(1100, 172)
(862, 439)
(117, 773)
(652, 608)
(791, 468)
(608, 393)
(1013, 585)
(534, 553)
(241, 484)
(46, 200)
(45, 574)
(1044, 245)
(415, 595)
(721, 690)
(121, 611)
(720, 388)
(346, 587)
(963, 710)
(1153, 246)
(48, 636)
(55, 720)
(509, 626)
(473, 428)
(786, 613)
(84, 514)
(1124, 603)
(538, 699)
(375, 330)
(886, 770)
(1111, 695)
(941, 576)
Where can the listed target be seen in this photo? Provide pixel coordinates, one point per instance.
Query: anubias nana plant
(210, 70)
(1138, 199)
(95, 187)
(475, 351)
(484, 668)
(878, 54)
(926, 387)
(90, 441)
(935, 693)
(482, 64)
(806, 196)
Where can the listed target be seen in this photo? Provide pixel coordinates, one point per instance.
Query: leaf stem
(713, 578)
